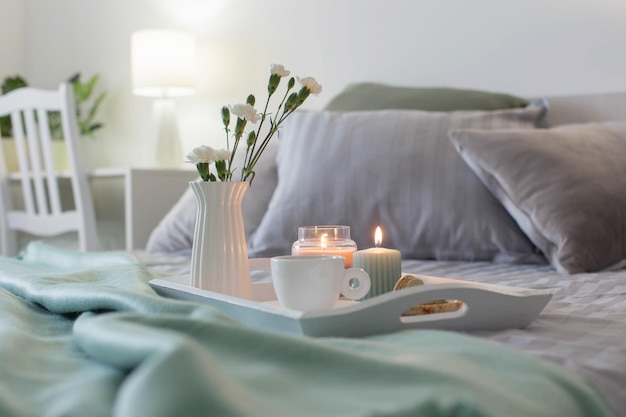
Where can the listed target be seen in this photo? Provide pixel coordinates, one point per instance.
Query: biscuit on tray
(432, 307)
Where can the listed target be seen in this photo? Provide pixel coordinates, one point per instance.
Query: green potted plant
(9, 84)
(86, 109)
(6, 131)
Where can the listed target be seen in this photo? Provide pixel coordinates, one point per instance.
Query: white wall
(12, 35)
(534, 47)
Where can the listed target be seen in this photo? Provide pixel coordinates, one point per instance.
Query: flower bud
(251, 139)
(291, 83)
(220, 167)
(291, 102)
(240, 126)
(303, 94)
(272, 85)
(251, 100)
(225, 116)
(203, 170)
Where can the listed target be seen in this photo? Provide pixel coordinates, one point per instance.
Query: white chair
(40, 211)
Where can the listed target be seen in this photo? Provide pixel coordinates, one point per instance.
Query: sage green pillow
(373, 96)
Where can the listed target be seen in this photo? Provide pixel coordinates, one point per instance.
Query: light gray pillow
(565, 187)
(396, 169)
(174, 233)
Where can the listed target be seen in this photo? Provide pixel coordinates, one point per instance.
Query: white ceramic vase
(219, 259)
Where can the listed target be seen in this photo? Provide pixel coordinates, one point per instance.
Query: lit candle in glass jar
(325, 240)
(383, 265)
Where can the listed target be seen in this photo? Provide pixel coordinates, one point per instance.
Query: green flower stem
(280, 106)
(232, 156)
(255, 156)
(230, 161)
(250, 152)
(289, 103)
(239, 129)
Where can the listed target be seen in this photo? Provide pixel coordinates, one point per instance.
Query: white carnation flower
(245, 111)
(279, 70)
(202, 154)
(223, 155)
(311, 84)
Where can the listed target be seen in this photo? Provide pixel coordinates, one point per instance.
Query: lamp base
(168, 147)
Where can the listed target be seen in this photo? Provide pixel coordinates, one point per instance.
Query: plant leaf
(95, 106)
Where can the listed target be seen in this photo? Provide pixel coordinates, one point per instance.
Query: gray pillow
(396, 169)
(174, 233)
(565, 187)
(374, 96)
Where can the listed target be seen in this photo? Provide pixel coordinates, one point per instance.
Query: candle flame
(378, 237)
(323, 240)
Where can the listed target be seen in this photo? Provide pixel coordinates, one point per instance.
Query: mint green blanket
(85, 335)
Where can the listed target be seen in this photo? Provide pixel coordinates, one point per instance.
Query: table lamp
(163, 66)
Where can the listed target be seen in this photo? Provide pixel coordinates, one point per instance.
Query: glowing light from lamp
(198, 14)
(163, 62)
(163, 65)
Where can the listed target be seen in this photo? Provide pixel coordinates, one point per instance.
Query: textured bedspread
(582, 328)
(84, 335)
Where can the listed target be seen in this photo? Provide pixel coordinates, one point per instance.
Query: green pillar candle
(383, 266)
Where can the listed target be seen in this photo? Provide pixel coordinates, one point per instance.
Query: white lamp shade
(163, 63)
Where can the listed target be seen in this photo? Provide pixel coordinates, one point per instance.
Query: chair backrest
(40, 211)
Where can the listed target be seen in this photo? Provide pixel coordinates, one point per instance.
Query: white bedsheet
(582, 328)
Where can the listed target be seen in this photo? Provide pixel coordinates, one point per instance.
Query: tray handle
(483, 308)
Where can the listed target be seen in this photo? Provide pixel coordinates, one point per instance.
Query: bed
(85, 334)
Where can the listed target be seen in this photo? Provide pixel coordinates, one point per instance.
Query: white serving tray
(486, 307)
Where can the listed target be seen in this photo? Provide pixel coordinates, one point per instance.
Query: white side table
(148, 194)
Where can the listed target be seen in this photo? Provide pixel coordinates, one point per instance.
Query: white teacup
(313, 283)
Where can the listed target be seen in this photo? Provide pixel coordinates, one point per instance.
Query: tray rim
(392, 303)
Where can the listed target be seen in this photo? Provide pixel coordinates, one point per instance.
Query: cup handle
(356, 283)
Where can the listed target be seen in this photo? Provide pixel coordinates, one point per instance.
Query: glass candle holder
(325, 240)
